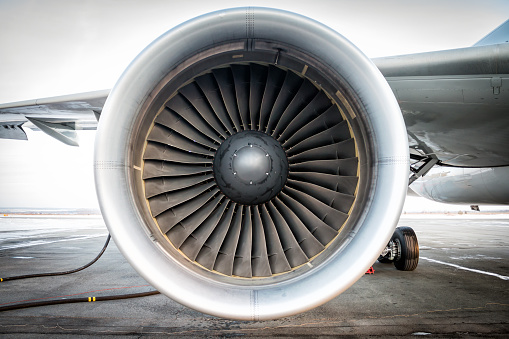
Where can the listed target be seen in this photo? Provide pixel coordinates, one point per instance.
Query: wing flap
(12, 130)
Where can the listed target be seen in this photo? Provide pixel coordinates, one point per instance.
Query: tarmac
(460, 288)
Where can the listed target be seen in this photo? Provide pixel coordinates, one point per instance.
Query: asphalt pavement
(459, 289)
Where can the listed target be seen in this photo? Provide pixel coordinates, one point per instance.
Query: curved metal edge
(465, 185)
(113, 170)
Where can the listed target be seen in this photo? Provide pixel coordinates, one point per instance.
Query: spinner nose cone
(251, 164)
(250, 167)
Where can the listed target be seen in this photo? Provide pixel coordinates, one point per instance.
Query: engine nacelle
(251, 163)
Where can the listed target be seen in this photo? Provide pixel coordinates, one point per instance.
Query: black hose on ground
(37, 275)
(70, 300)
(75, 300)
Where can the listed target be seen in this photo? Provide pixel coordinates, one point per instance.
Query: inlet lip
(250, 167)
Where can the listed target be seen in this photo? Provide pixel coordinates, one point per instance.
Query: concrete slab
(460, 288)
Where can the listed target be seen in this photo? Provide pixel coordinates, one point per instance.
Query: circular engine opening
(250, 170)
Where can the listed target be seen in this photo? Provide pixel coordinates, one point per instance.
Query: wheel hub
(250, 167)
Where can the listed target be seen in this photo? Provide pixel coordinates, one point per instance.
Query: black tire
(409, 257)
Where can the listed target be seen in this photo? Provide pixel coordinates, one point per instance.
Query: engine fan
(251, 163)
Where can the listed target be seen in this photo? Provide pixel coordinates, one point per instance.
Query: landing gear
(402, 250)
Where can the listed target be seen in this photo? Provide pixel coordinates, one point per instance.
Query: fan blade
(343, 184)
(226, 255)
(160, 185)
(195, 96)
(258, 78)
(275, 79)
(339, 132)
(242, 261)
(293, 252)
(208, 253)
(211, 90)
(166, 136)
(183, 229)
(327, 214)
(259, 256)
(277, 259)
(347, 167)
(323, 122)
(154, 169)
(339, 201)
(175, 122)
(163, 202)
(288, 91)
(178, 213)
(339, 150)
(185, 109)
(318, 107)
(194, 243)
(242, 82)
(157, 151)
(224, 78)
(305, 94)
(307, 242)
(320, 230)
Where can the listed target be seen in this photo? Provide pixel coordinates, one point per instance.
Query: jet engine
(251, 163)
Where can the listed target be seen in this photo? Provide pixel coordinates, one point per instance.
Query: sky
(57, 47)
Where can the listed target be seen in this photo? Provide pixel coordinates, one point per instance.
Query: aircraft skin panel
(454, 103)
(460, 120)
(464, 185)
(493, 59)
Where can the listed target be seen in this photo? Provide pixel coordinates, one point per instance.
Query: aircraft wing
(58, 117)
(454, 103)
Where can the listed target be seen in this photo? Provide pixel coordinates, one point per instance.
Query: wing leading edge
(58, 117)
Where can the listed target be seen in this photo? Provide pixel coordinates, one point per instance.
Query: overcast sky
(59, 47)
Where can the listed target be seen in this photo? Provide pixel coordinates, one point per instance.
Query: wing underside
(59, 117)
(455, 103)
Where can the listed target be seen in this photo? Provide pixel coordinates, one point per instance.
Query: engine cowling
(251, 163)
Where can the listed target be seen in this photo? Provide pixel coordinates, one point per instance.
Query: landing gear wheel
(384, 260)
(408, 256)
